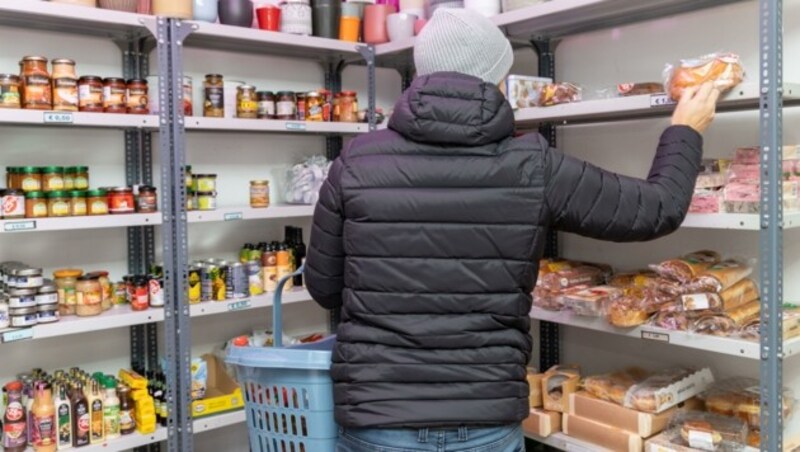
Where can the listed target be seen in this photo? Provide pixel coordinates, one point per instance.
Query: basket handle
(277, 309)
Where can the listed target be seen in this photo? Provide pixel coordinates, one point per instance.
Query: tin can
(221, 282)
(254, 277)
(207, 274)
(156, 287)
(194, 285)
(239, 281)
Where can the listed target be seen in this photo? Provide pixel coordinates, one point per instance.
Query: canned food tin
(240, 280)
(22, 317)
(47, 314)
(47, 294)
(221, 282)
(21, 298)
(155, 286)
(254, 277)
(27, 278)
(207, 274)
(194, 285)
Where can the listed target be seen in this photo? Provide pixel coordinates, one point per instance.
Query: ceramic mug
(326, 15)
(269, 17)
(296, 18)
(400, 26)
(486, 8)
(236, 12)
(349, 28)
(205, 10)
(375, 23)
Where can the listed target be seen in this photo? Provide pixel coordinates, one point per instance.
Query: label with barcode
(295, 126)
(653, 336)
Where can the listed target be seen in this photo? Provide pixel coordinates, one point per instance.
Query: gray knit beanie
(462, 40)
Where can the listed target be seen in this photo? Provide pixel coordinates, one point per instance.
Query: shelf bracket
(368, 53)
(333, 83)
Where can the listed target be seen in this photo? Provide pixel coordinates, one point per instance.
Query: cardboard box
(222, 391)
(556, 388)
(601, 435)
(542, 423)
(669, 441)
(535, 384)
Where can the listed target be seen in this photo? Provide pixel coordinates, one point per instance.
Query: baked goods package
(723, 69)
(707, 200)
(535, 388)
(714, 325)
(636, 307)
(709, 431)
(588, 275)
(740, 397)
(720, 276)
(651, 393)
(751, 329)
(683, 269)
(638, 89)
(604, 436)
(642, 278)
(542, 423)
(752, 155)
(547, 299)
(739, 294)
(559, 93)
(614, 386)
(592, 301)
(672, 320)
(524, 91)
(556, 388)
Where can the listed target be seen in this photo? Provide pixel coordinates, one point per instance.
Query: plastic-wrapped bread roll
(714, 325)
(720, 276)
(739, 294)
(745, 312)
(685, 268)
(723, 69)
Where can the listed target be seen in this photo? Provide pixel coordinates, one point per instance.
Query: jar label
(53, 183)
(266, 108)
(215, 97)
(69, 183)
(59, 208)
(65, 94)
(47, 298)
(137, 98)
(89, 298)
(31, 183)
(206, 185)
(9, 96)
(286, 108)
(99, 208)
(90, 96)
(37, 90)
(113, 97)
(80, 183)
(78, 207)
(12, 206)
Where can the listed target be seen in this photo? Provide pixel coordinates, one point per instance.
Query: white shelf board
(41, 15)
(253, 40)
(218, 421)
(274, 126)
(22, 117)
(745, 96)
(75, 223)
(127, 442)
(561, 441)
(296, 295)
(249, 213)
(735, 221)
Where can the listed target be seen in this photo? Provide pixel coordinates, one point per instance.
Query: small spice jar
(35, 204)
(114, 93)
(30, 178)
(246, 102)
(137, 98)
(96, 202)
(140, 299)
(266, 105)
(65, 85)
(47, 294)
(286, 106)
(52, 178)
(9, 91)
(348, 106)
(214, 99)
(259, 193)
(90, 94)
(77, 203)
(89, 296)
(206, 201)
(58, 204)
(35, 84)
(205, 182)
(147, 202)
(12, 204)
(300, 111)
(314, 105)
(120, 200)
(66, 281)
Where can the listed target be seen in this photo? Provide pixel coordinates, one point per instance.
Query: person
(428, 235)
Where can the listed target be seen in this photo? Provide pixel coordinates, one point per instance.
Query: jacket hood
(449, 108)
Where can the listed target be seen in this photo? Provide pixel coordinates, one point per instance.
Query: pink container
(375, 23)
(419, 25)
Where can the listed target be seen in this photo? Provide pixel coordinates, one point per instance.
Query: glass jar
(300, 109)
(9, 91)
(140, 299)
(286, 106)
(81, 178)
(52, 178)
(114, 92)
(120, 200)
(65, 85)
(35, 84)
(11, 176)
(66, 280)
(30, 178)
(35, 204)
(336, 113)
(96, 202)
(214, 98)
(90, 94)
(266, 105)
(77, 203)
(58, 204)
(205, 182)
(327, 104)
(147, 202)
(69, 178)
(314, 104)
(107, 298)
(206, 201)
(89, 296)
(12, 204)
(137, 98)
(187, 176)
(348, 106)
(246, 102)
(259, 193)
(191, 200)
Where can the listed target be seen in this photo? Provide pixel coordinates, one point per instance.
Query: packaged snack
(740, 397)
(559, 93)
(535, 388)
(672, 320)
(752, 155)
(523, 91)
(601, 435)
(641, 278)
(613, 387)
(709, 431)
(723, 69)
(591, 301)
(547, 299)
(714, 325)
(583, 275)
(710, 180)
(751, 173)
(624, 314)
(701, 302)
(556, 388)
(720, 276)
(668, 388)
(199, 378)
(751, 328)
(638, 89)
(714, 166)
(706, 201)
(739, 294)
(754, 206)
(685, 268)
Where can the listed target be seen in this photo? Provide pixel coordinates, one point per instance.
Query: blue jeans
(462, 439)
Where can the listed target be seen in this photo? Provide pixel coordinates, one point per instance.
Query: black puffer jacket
(428, 234)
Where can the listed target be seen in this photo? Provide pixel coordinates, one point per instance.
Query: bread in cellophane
(724, 70)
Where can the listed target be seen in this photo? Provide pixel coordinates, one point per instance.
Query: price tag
(51, 117)
(652, 336)
(239, 305)
(233, 216)
(659, 100)
(297, 126)
(15, 226)
(18, 335)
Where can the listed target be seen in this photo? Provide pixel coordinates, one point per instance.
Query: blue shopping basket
(288, 391)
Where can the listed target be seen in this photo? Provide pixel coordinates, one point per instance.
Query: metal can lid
(26, 271)
(207, 193)
(21, 292)
(29, 169)
(35, 195)
(68, 273)
(90, 78)
(246, 88)
(47, 307)
(205, 176)
(146, 188)
(12, 77)
(48, 287)
(22, 311)
(259, 182)
(34, 58)
(114, 80)
(63, 61)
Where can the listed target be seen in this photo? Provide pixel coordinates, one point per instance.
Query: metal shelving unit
(248, 213)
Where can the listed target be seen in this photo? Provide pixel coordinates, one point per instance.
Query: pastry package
(614, 386)
(524, 91)
(535, 388)
(638, 89)
(672, 320)
(556, 388)
(668, 388)
(720, 276)
(709, 431)
(711, 180)
(751, 328)
(588, 275)
(752, 155)
(559, 93)
(739, 294)
(714, 325)
(683, 269)
(723, 69)
(638, 279)
(740, 397)
(706, 200)
(754, 206)
(592, 301)
(547, 299)
(601, 435)
(751, 174)
(636, 307)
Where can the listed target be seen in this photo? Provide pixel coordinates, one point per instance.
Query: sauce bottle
(127, 421)
(80, 416)
(111, 405)
(162, 385)
(15, 424)
(269, 264)
(96, 412)
(43, 414)
(284, 265)
(64, 418)
(299, 254)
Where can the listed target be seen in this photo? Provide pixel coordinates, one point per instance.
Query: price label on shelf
(57, 117)
(15, 226)
(653, 336)
(296, 126)
(659, 100)
(239, 305)
(18, 335)
(233, 216)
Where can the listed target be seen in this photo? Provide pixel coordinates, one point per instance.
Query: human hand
(697, 107)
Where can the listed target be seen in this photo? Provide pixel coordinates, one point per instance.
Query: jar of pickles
(89, 296)
(66, 280)
(214, 99)
(9, 91)
(52, 178)
(65, 85)
(35, 84)
(246, 102)
(58, 204)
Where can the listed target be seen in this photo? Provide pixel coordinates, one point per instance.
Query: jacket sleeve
(592, 202)
(324, 264)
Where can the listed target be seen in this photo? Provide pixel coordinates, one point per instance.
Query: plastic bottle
(269, 264)
(96, 429)
(43, 414)
(111, 410)
(15, 424)
(63, 418)
(80, 416)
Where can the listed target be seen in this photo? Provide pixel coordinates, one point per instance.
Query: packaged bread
(714, 325)
(701, 302)
(624, 314)
(642, 278)
(744, 312)
(752, 155)
(571, 277)
(592, 301)
(559, 93)
(614, 386)
(740, 397)
(556, 388)
(707, 200)
(667, 388)
(671, 320)
(720, 276)
(547, 299)
(638, 89)
(751, 329)
(739, 294)
(535, 388)
(683, 269)
(723, 69)
(710, 431)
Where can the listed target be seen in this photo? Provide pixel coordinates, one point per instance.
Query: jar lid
(188, 167)
(213, 75)
(11, 169)
(82, 169)
(34, 58)
(122, 189)
(48, 287)
(68, 273)
(95, 193)
(300, 94)
(259, 182)
(52, 169)
(47, 307)
(26, 271)
(63, 61)
(138, 80)
(13, 191)
(313, 94)
(265, 93)
(21, 292)
(88, 277)
(349, 93)
(146, 188)
(22, 311)
(97, 274)
(114, 80)
(206, 193)
(12, 77)
(246, 87)
(29, 169)
(286, 93)
(35, 195)
(57, 194)
(90, 78)
(77, 194)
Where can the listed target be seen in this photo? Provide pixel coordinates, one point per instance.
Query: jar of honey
(52, 178)
(30, 178)
(314, 106)
(58, 204)
(96, 202)
(77, 203)
(35, 87)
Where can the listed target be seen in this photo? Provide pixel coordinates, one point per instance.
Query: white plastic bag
(304, 180)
